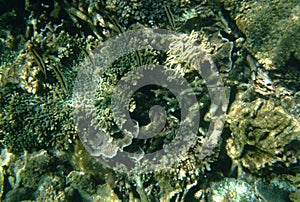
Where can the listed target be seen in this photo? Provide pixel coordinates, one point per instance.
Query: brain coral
(264, 136)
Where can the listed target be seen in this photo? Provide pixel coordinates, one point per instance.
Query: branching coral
(30, 123)
(107, 124)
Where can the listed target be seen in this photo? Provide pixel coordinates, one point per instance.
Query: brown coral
(264, 136)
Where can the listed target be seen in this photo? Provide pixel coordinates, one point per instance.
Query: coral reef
(43, 45)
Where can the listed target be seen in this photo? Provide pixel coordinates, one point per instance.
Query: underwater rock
(29, 169)
(89, 189)
(264, 136)
(35, 171)
(271, 192)
(271, 29)
(42, 176)
(19, 194)
(82, 161)
(295, 197)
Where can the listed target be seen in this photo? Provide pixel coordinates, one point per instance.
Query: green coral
(30, 123)
(36, 79)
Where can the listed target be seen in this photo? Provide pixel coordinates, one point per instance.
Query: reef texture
(263, 23)
(264, 135)
(255, 47)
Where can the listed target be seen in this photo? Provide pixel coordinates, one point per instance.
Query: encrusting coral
(262, 23)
